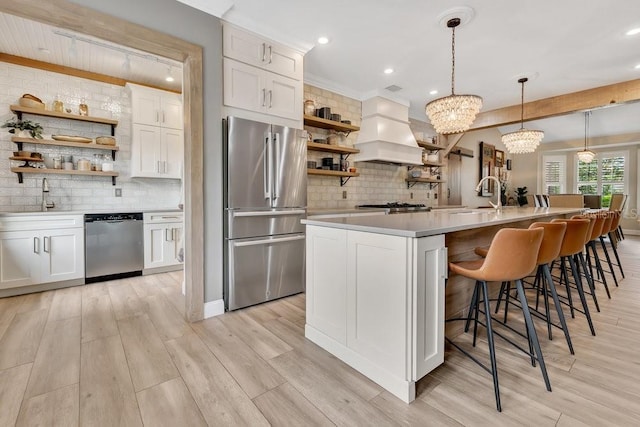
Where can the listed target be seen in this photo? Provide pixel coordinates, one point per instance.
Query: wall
(377, 183)
(66, 191)
(182, 21)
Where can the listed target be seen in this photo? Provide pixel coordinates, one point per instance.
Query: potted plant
(21, 126)
(521, 194)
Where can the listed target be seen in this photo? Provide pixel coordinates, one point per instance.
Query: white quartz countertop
(82, 212)
(422, 224)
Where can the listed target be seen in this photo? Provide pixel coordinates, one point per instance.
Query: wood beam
(589, 99)
(452, 140)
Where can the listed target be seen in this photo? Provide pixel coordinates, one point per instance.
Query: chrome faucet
(497, 207)
(45, 190)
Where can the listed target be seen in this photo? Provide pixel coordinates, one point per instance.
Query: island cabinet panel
(376, 301)
(378, 304)
(326, 287)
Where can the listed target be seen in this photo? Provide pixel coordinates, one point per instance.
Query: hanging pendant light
(453, 113)
(586, 155)
(524, 140)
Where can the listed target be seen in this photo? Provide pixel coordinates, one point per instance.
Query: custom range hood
(385, 135)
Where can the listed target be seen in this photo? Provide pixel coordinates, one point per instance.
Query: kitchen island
(376, 286)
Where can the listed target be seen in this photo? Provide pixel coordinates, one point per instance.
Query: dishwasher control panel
(136, 216)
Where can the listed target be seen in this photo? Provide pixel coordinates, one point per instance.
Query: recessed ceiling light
(388, 70)
(633, 31)
(323, 40)
(637, 67)
(170, 79)
(433, 92)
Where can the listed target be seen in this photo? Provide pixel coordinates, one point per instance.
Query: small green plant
(34, 129)
(521, 195)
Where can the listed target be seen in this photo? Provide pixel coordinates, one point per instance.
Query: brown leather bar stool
(512, 255)
(614, 237)
(590, 249)
(572, 244)
(609, 228)
(581, 263)
(549, 251)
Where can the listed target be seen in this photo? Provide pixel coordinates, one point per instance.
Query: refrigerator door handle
(267, 241)
(276, 172)
(269, 213)
(268, 167)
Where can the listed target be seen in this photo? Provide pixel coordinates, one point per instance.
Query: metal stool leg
(492, 350)
(615, 252)
(556, 302)
(583, 299)
(606, 255)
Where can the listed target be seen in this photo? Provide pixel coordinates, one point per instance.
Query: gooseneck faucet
(45, 191)
(497, 207)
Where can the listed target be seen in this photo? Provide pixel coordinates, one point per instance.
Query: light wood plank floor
(120, 353)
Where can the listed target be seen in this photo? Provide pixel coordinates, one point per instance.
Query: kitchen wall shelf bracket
(20, 110)
(344, 176)
(430, 146)
(432, 182)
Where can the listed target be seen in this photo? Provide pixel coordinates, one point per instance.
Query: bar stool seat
(512, 255)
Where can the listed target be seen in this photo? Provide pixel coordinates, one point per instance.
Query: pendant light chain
(586, 129)
(453, 58)
(522, 105)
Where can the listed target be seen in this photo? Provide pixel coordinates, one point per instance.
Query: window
(554, 174)
(605, 175)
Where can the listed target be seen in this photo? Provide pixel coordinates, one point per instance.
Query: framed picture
(487, 163)
(499, 158)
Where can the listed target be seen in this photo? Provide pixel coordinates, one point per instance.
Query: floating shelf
(329, 124)
(430, 146)
(22, 170)
(91, 145)
(18, 109)
(432, 164)
(339, 149)
(344, 176)
(432, 182)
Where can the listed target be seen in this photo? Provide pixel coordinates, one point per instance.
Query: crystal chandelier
(524, 140)
(453, 113)
(586, 155)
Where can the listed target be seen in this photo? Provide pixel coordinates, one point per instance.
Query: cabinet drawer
(40, 222)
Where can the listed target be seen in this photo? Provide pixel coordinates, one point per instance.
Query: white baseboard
(213, 308)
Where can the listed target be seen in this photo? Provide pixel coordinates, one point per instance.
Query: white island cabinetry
(376, 301)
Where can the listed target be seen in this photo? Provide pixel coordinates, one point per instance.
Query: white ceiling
(570, 45)
(33, 40)
(565, 46)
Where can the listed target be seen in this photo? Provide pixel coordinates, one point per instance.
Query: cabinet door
(62, 256)
(146, 108)
(283, 60)
(284, 96)
(161, 244)
(146, 151)
(244, 86)
(19, 259)
(172, 153)
(172, 112)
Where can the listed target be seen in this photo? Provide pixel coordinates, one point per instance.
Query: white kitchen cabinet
(37, 250)
(162, 235)
(156, 152)
(253, 89)
(377, 302)
(156, 107)
(261, 53)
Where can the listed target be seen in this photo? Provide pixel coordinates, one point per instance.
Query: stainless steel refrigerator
(266, 197)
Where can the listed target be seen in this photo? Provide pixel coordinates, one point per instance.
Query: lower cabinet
(377, 302)
(31, 254)
(162, 240)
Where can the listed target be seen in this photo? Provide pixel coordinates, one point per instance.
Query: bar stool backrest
(513, 254)
(592, 223)
(615, 222)
(574, 237)
(617, 201)
(551, 241)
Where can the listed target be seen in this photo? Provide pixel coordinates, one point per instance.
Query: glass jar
(107, 163)
(58, 105)
(309, 107)
(96, 162)
(83, 108)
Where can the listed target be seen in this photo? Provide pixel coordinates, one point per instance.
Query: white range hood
(385, 135)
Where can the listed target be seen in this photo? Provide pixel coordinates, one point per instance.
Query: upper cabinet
(157, 138)
(258, 52)
(261, 77)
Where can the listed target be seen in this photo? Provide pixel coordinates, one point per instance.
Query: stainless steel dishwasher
(114, 246)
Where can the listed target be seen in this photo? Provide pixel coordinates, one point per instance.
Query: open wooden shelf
(26, 159)
(430, 146)
(21, 170)
(91, 145)
(432, 164)
(431, 181)
(339, 149)
(325, 172)
(329, 124)
(40, 112)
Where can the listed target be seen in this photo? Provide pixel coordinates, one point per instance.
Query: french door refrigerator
(266, 197)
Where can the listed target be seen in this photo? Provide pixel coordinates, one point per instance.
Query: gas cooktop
(398, 207)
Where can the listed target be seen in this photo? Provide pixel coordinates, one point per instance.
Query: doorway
(454, 192)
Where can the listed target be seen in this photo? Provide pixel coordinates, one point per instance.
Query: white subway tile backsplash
(75, 192)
